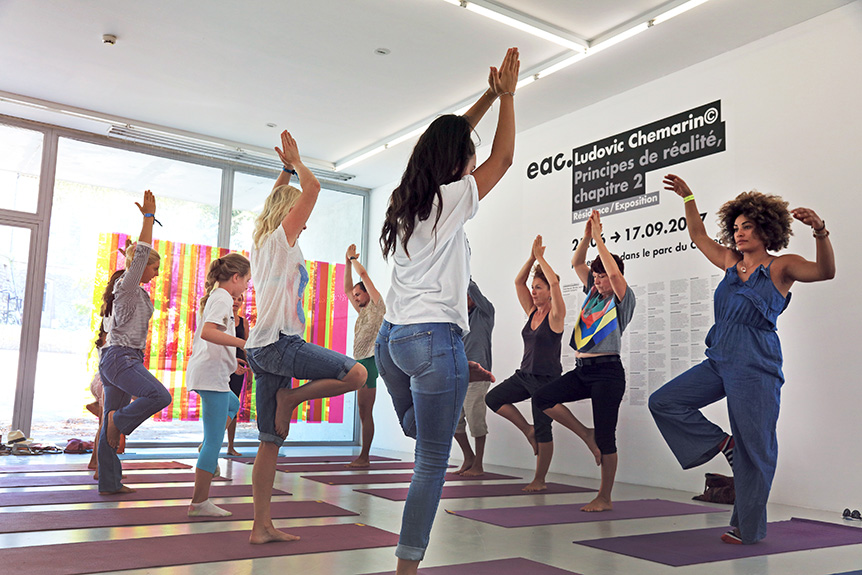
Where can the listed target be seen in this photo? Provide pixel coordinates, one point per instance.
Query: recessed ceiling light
(382, 51)
(109, 39)
(271, 125)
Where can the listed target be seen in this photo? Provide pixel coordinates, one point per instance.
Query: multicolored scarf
(598, 318)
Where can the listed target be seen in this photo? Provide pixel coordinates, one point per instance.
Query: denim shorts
(276, 364)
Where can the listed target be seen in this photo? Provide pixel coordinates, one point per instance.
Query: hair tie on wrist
(290, 172)
(154, 218)
(688, 198)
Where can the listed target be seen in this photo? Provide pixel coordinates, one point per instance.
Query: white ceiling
(224, 69)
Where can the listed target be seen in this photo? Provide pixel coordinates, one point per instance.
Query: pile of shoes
(719, 489)
(19, 444)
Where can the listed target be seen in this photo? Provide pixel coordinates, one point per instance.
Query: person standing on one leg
(212, 362)
(599, 375)
(237, 379)
(368, 303)
(419, 350)
(122, 362)
(542, 335)
(275, 348)
(477, 346)
(743, 356)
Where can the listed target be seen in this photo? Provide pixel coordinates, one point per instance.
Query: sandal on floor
(19, 449)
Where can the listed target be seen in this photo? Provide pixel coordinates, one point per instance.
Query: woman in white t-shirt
(276, 351)
(419, 350)
(213, 361)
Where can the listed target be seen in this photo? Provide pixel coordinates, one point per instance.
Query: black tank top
(542, 348)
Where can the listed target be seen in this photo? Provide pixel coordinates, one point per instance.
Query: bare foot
(93, 465)
(234, 452)
(359, 463)
(475, 471)
(590, 440)
(531, 437)
(598, 504)
(261, 535)
(94, 408)
(284, 411)
(122, 489)
(468, 463)
(535, 485)
(113, 432)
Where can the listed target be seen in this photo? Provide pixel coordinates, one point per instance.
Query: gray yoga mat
(60, 480)
(679, 548)
(60, 467)
(374, 478)
(189, 549)
(145, 494)
(571, 513)
(464, 491)
(515, 566)
(161, 515)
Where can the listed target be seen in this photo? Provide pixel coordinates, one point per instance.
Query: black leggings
(519, 387)
(603, 380)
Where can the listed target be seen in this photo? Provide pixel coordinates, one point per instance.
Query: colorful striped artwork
(175, 294)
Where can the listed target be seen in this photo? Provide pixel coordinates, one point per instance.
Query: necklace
(743, 268)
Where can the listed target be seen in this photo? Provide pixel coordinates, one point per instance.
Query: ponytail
(222, 269)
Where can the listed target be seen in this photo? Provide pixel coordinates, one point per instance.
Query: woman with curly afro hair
(743, 351)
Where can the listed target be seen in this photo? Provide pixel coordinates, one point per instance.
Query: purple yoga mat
(147, 494)
(463, 491)
(316, 459)
(150, 552)
(516, 566)
(571, 513)
(340, 467)
(678, 548)
(372, 478)
(54, 468)
(163, 515)
(26, 481)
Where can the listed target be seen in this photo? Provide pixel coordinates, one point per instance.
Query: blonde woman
(275, 348)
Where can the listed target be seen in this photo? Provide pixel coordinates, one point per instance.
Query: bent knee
(356, 377)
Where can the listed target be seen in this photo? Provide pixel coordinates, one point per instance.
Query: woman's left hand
(808, 217)
(538, 248)
(596, 225)
(289, 151)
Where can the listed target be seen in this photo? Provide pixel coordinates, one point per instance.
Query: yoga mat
(18, 481)
(571, 513)
(59, 467)
(316, 459)
(164, 455)
(516, 566)
(849, 573)
(372, 478)
(340, 467)
(678, 548)
(150, 552)
(163, 515)
(463, 491)
(92, 496)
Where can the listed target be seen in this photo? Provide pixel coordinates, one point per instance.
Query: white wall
(793, 128)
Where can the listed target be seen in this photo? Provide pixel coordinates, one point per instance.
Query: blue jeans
(274, 366)
(425, 370)
(217, 407)
(123, 377)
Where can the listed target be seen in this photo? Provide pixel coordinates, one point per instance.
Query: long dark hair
(108, 295)
(439, 158)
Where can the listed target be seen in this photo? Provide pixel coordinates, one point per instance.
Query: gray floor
(455, 539)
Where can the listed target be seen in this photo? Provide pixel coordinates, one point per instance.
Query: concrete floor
(454, 539)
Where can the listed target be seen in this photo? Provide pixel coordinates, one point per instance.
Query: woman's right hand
(289, 151)
(149, 205)
(507, 76)
(538, 248)
(677, 184)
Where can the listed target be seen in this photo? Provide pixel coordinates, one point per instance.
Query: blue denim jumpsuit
(743, 364)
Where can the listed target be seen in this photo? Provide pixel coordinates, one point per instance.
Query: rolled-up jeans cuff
(269, 438)
(409, 553)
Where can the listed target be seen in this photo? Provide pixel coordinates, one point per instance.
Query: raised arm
(348, 278)
(615, 276)
(140, 252)
(503, 82)
(525, 297)
(483, 304)
(294, 222)
(797, 268)
(353, 258)
(557, 316)
(719, 255)
(579, 258)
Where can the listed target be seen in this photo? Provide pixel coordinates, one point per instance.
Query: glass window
(95, 191)
(20, 164)
(14, 257)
